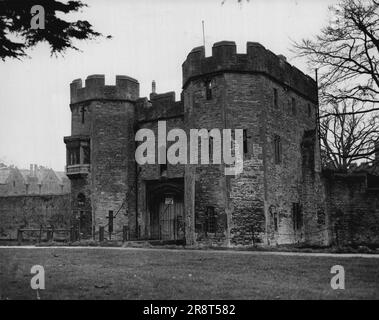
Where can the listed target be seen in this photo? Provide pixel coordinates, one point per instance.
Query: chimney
(281, 57)
(35, 170)
(31, 170)
(153, 87)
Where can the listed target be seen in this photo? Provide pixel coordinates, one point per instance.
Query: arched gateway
(166, 209)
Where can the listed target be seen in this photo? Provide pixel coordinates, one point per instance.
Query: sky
(151, 39)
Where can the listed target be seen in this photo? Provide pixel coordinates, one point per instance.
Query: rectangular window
(276, 98)
(293, 103)
(211, 221)
(277, 149)
(208, 90)
(163, 169)
(297, 216)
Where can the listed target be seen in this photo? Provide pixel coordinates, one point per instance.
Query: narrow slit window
(82, 111)
(208, 90)
(275, 93)
(245, 141)
(210, 149)
(277, 149)
(293, 103)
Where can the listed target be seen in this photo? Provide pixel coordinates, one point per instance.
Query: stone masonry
(278, 198)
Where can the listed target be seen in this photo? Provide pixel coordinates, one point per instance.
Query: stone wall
(112, 164)
(32, 212)
(353, 209)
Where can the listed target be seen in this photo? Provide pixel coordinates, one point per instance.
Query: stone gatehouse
(278, 197)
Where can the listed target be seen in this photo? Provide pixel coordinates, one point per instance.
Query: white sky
(151, 39)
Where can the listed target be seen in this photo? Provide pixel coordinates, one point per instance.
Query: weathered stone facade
(279, 196)
(353, 207)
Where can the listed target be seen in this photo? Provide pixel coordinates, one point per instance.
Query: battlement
(160, 106)
(256, 60)
(126, 88)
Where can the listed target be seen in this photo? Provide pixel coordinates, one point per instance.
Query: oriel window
(74, 155)
(86, 155)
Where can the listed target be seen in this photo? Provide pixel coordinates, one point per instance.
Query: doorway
(166, 211)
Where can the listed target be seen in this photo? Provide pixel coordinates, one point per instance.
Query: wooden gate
(171, 220)
(166, 221)
(166, 209)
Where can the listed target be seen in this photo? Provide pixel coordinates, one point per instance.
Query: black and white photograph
(189, 156)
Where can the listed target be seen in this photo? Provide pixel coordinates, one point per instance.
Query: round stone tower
(100, 152)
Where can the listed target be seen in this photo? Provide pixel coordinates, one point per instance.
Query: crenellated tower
(100, 151)
(275, 105)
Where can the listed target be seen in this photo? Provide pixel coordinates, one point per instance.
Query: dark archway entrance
(166, 208)
(82, 216)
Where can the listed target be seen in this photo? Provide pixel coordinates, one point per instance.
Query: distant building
(38, 180)
(11, 181)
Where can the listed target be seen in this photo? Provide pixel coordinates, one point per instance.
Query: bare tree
(346, 53)
(347, 137)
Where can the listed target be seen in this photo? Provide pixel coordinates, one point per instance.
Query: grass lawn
(155, 274)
